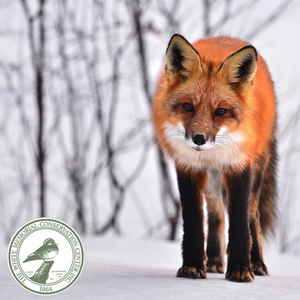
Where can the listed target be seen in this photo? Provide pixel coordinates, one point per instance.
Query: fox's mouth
(198, 149)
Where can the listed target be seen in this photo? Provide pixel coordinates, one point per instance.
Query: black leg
(193, 253)
(215, 244)
(257, 262)
(238, 189)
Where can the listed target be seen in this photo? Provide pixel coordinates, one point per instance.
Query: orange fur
(206, 89)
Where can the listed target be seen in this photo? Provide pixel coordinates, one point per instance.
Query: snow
(126, 268)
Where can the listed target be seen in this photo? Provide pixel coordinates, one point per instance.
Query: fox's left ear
(183, 61)
(240, 67)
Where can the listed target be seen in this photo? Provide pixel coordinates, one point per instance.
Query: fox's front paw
(239, 273)
(214, 265)
(259, 268)
(191, 272)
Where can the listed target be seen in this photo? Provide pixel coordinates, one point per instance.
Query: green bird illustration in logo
(46, 252)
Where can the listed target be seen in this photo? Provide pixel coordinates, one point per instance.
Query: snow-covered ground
(123, 268)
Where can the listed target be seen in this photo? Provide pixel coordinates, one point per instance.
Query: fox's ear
(183, 61)
(240, 67)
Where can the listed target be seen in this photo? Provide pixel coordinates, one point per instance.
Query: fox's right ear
(183, 61)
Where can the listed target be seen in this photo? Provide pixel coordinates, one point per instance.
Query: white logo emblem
(45, 256)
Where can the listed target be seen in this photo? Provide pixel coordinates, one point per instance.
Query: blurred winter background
(76, 84)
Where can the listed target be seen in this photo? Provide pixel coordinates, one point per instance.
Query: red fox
(214, 115)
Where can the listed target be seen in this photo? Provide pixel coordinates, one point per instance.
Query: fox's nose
(199, 139)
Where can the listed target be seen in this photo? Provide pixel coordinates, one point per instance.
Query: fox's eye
(187, 107)
(220, 112)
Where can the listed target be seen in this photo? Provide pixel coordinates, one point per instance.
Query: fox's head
(202, 103)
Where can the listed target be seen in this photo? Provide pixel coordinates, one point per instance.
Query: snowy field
(134, 269)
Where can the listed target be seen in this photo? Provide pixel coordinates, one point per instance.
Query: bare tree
(37, 49)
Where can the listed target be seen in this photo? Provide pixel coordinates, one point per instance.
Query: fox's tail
(267, 200)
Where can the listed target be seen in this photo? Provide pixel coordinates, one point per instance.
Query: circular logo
(45, 256)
